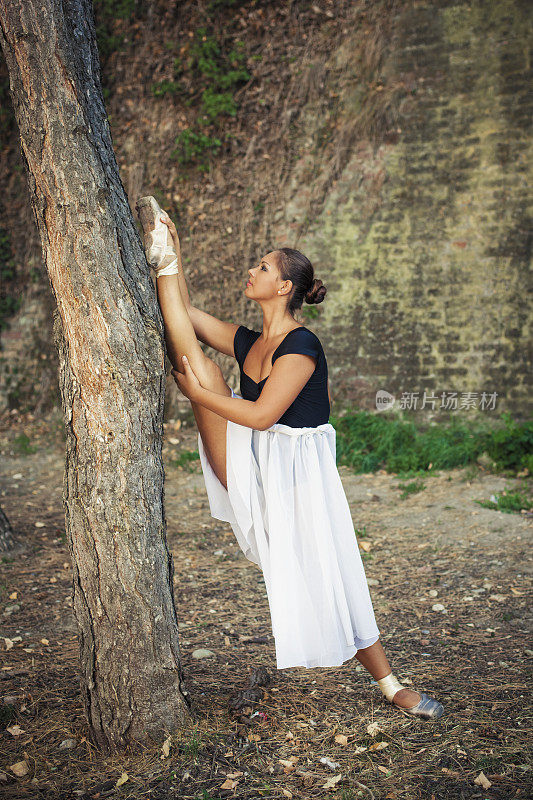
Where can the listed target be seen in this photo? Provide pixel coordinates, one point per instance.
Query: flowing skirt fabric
(288, 510)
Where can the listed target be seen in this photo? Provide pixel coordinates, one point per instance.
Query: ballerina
(268, 458)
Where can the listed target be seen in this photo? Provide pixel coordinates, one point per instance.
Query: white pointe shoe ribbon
(389, 685)
(158, 249)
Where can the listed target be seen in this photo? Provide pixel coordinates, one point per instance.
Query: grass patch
(214, 74)
(106, 14)
(509, 502)
(186, 460)
(367, 442)
(23, 446)
(411, 488)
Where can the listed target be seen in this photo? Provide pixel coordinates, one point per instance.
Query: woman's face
(264, 280)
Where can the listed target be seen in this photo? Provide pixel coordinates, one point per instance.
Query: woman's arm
(287, 378)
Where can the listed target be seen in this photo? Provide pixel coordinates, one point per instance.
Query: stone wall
(407, 184)
(425, 243)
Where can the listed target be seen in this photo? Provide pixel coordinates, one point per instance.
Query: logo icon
(384, 400)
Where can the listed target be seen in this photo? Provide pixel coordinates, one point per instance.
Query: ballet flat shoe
(426, 708)
(155, 236)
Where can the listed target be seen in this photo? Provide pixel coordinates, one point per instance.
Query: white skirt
(288, 510)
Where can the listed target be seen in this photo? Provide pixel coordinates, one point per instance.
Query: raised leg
(180, 339)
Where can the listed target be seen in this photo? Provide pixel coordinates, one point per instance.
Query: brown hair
(294, 266)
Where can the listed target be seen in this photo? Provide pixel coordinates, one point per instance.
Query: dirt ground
(449, 581)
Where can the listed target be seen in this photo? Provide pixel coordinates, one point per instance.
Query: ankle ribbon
(389, 685)
(158, 249)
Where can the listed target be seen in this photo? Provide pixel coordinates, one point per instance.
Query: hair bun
(316, 293)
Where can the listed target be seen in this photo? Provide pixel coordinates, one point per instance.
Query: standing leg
(373, 658)
(180, 338)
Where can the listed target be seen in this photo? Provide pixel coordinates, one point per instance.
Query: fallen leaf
(384, 770)
(373, 729)
(229, 784)
(286, 793)
(234, 775)
(20, 768)
(358, 750)
(288, 765)
(165, 749)
(13, 596)
(366, 546)
(15, 730)
(9, 643)
(483, 781)
(340, 738)
(123, 778)
(378, 746)
(45, 641)
(330, 783)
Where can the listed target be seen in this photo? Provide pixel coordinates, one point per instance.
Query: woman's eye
(263, 268)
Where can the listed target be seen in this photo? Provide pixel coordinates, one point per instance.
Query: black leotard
(311, 407)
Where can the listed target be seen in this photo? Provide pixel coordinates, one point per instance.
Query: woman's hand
(188, 383)
(172, 228)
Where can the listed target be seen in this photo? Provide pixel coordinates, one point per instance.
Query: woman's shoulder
(304, 331)
(300, 340)
(243, 333)
(243, 340)
(305, 334)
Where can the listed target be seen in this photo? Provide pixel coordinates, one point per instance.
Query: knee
(212, 370)
(213, 375)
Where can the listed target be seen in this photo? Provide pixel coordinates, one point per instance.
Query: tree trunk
(109, 334)
(6, 533)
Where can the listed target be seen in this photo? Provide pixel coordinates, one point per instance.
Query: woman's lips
(248, 284)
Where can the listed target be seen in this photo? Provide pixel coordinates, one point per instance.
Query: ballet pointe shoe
(426, 708)
(160, 254)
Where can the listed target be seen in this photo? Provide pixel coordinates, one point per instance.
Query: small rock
(218, 553)
(500, 598)
(438, 607)
(68, 744)
(13, 607)
(467, 599)
(329, 763)
(433, 593)
(9, 700)
(202, 653)
(372, 581)
(424, 630)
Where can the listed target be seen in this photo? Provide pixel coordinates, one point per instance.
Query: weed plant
(367, 442)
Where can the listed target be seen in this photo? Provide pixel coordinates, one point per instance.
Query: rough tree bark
(109, 334)
(7, 541)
